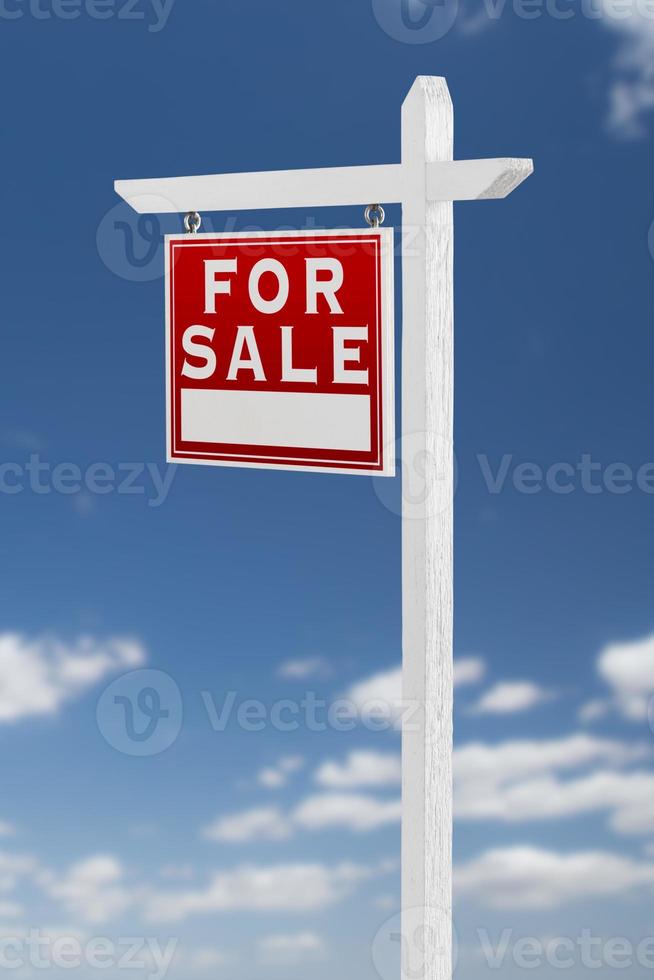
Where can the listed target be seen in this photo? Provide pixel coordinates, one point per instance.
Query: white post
(427, 468)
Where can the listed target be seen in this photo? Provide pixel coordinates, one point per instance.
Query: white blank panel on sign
(276, 418)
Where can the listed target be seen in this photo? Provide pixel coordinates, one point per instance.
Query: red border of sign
(330, 461)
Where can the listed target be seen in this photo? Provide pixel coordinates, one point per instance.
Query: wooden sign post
(426, 183)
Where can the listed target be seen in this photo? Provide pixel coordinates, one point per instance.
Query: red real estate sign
(280, 350)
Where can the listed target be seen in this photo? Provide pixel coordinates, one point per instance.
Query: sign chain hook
(374, 215)
(192, 222)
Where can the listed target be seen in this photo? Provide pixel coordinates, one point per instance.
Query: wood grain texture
(476, 180)
(460, 180)
(427, 455)
(323, 187)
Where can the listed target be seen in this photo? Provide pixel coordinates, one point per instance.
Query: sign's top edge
(283, 233)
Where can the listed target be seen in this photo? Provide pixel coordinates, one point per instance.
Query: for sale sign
(280, 350)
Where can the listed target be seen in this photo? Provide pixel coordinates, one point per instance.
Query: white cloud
(178, 872)
(37, 676)
(13, 867)
(290, 948)
(628, 669)
(520, 780)
(513, 781)
(98, 889)
(634, 803)
(594, 710)
(203, 958)
(274, 777)
(46, 937)
(381, 690)
(524, 877)
(10, 910)
(7, 829)
(361, 768)
(260, 823)
(517, 758)
(92, 890)
(631, 97)
(628, 797)
(352, 811)
(303, 668)
(468, 670)
(509, 697)
(275, 888)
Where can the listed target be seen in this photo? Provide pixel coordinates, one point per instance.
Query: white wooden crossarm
(451, 180)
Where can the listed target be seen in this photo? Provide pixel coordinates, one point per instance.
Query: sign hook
(374, 215)
(192, 222)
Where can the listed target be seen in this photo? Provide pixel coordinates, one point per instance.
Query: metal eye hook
(192, 222)
(374, 215)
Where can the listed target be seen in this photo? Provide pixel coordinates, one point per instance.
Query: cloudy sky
(177, 780)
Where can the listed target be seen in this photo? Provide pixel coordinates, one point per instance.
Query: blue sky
(274, 852)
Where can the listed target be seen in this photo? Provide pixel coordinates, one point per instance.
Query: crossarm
(460, 180)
